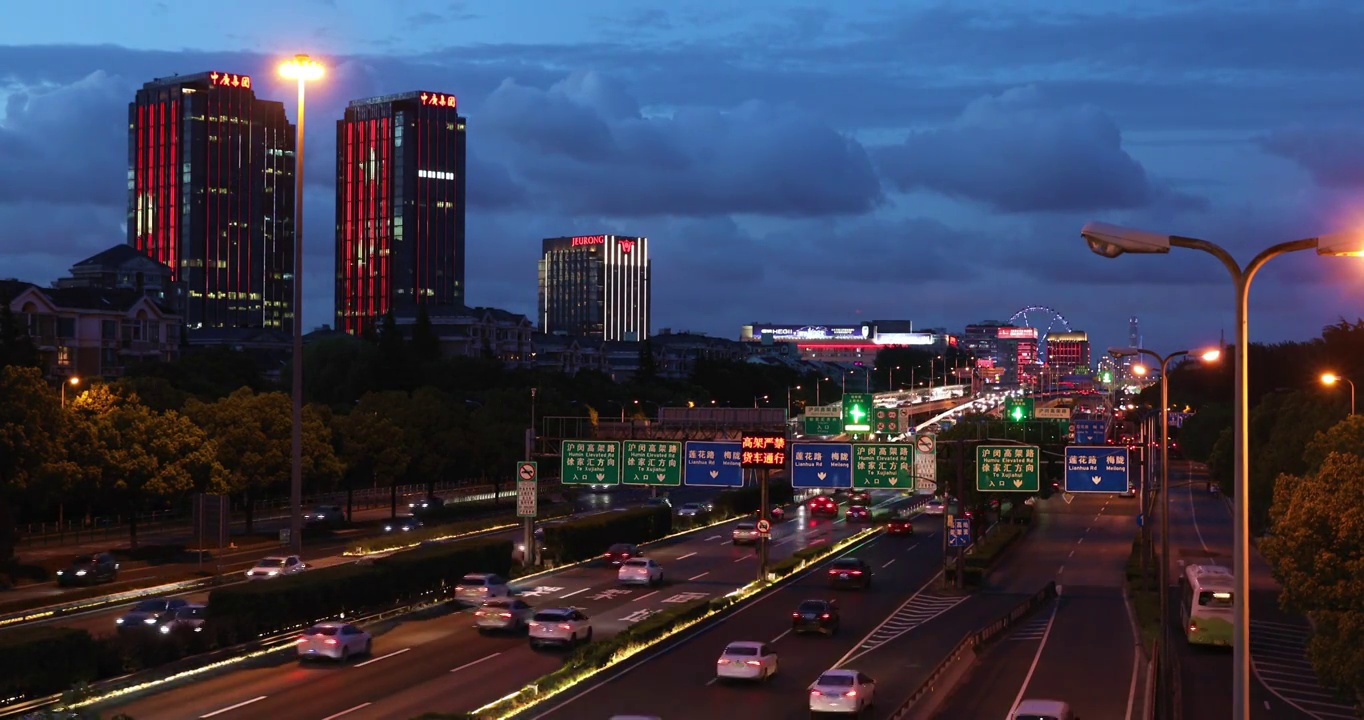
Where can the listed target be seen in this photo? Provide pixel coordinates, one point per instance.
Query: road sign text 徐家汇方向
(651, 462)
(713, 464)
(1008, 468)
(590, 462)
(883, 466)
(821, 465)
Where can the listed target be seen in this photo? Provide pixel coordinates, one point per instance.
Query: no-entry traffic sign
(526, 471)
(764, 527)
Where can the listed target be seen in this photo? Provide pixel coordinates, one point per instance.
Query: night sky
(790, 162)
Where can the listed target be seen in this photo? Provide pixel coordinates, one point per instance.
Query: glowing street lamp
(303, 69)
(73, 381)
(1329, 379)
(1111, 241)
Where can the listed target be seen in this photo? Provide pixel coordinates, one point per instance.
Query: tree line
(1306, 478)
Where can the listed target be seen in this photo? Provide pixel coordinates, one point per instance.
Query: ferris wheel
(1044, 320)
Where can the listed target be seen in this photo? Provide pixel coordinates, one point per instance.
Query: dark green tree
(648, 364)
(425, 344)
(16, 347)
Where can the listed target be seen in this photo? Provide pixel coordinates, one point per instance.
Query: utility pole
(763, 518)
(528, 555)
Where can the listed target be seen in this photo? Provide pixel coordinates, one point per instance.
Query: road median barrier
(591, 660)
(448, 532)
(944, 677)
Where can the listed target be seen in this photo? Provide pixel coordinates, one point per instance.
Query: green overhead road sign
(651, 462)
(883, 466)
(857, 409)
(1007, 468)
(1018, 409)
(823, 420)
(590, 462)
(887, 420)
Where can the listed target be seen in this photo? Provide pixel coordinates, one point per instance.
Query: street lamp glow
(1211, 356)
(74, 380)
(1329, 378)
(303, 68)
(1139, 370)
(1345, 244)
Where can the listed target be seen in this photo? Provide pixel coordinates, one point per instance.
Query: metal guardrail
(972, 643)
(76, 531)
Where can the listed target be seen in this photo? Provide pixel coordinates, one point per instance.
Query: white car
(477, 587)
(935, 507)
(1043, 710)
(746, 661)
(691, 510)
(640, 571)
(276, 566)
(503, 614)
(335, 640)
(559, 626)
(842, 691)
(746, 533)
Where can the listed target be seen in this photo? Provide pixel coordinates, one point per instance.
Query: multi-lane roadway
(1082, 647)
(1284, 686)
(441, 664)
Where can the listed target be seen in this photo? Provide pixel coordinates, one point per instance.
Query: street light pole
(301, 68)
(1332, 379)
(1112, 241)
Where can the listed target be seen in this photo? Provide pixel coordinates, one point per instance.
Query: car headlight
(165, 629)
(61, 572)
(119, 621)
(80, 573)
(388, 528)
(272, 572)
(149, 621)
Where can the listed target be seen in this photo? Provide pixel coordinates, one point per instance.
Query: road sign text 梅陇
(590, 462)
(1102, 469)
(821, 465)
(1007, 468)
(651, 462)
(1090, 432)
(882, 466)
(766, 451)
(713, 464)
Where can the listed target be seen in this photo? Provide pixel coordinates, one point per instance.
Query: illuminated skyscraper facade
(399, 208)
(596, 286)
(211, 195)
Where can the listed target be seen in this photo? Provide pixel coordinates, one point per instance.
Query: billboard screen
(1023, 333)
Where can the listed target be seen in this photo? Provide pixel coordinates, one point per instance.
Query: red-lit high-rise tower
(399, 208)
(211, 194)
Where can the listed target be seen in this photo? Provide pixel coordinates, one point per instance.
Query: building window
(108, 330)
(64, 356)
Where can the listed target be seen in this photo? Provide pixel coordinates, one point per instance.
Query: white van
(1043, 710)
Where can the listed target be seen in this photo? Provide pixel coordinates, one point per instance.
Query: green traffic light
(1017, 413)
(1108, 377)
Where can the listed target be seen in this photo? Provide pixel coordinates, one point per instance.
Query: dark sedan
(857, 513)
(620, 552)
(850, 573)
(89, 569)
(900, 526)
(819, 616)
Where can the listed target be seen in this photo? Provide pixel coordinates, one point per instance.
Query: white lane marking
(911, 547)
(575, 592)
(1077, 542)
(888, 562)
(684, 557)
(711, 681)
(713, 537)
(876, 638)
(1193, 513)
(382, 657)
(705, 629)
(744, 557)
(475, 662)
(232, 707)
(1136, 655)
(785, 632)
(1046, 634)
(641, 597)
(1071, 555)
(361, 706)
(1061, 569)
(698, 577)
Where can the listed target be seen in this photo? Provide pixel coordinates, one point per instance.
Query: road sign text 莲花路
(821, 465)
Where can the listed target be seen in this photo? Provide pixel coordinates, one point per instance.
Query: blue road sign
(959, 535)
(1141, 519)
(821, 465)
(1090, 432)
(1096, 469)
(713, 464)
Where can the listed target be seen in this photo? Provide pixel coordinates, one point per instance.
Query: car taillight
(795, 615)
(850, 693)
(534, 624)
(303, 639)
(565, 627)
(331, 641)
(854, 572)
(815, 692)
(505, 614)
(480, 613)
(753, 663)
(825, 616)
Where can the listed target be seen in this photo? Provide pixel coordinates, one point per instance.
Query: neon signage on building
(583, 240)
(1023, 333)
(229, 80)
(438, 99)
(626, 246)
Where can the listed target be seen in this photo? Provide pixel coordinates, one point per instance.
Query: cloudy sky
(790, 161)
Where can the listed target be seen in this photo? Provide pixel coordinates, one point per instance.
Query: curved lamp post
(1113, 240)
(1332, 379)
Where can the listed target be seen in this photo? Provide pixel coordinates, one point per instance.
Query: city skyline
(909, 213)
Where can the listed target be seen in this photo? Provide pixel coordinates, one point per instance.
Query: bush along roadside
(986, 553)
(597, 656)
(584, 538)
(1144, 593)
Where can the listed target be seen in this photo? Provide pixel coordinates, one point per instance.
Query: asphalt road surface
(1284, 686)
(441, 664)
(1082, 647)
(678, 682)
(101, 622)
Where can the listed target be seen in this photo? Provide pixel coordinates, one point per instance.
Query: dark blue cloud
(1332, 154)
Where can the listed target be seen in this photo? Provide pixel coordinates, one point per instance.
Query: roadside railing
(73, 532)
(921, 704)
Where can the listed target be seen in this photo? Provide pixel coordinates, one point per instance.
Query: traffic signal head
(1017, 413)
(857, 413)
(1108, 376)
